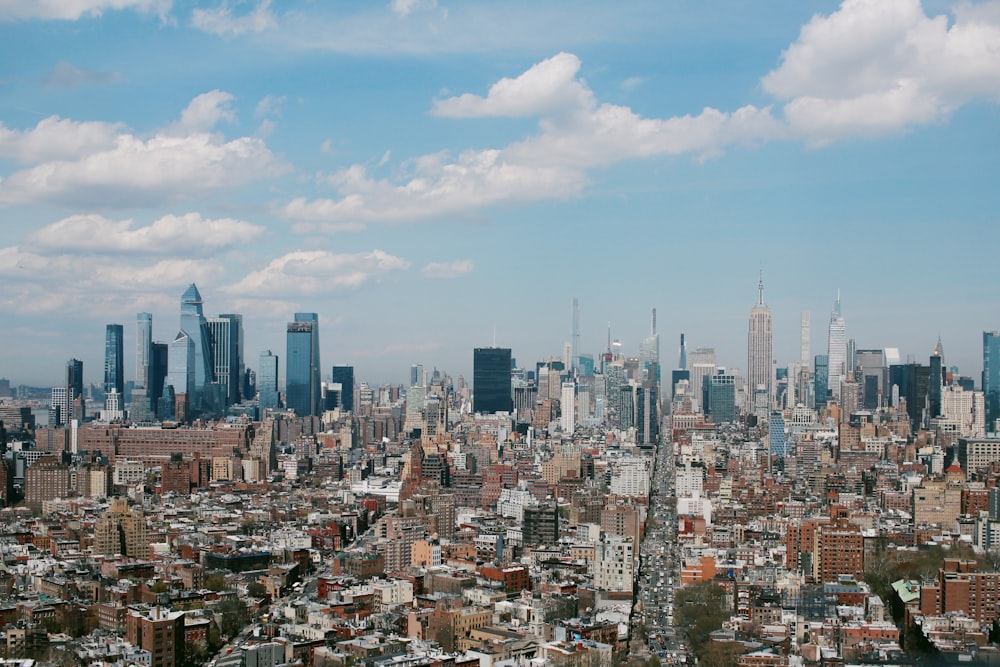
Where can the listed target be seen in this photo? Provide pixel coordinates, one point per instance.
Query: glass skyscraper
(836, 351)
(821, 375)
(193, 323)
(991, 377)
(114, 359)
(491, 388)
(344, 376)
(722, 398)
(302, 386)
(267, 382)
(227, 354)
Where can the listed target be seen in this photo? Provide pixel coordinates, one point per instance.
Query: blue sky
(420, 172)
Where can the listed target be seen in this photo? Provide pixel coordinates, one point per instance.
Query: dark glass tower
(114, 359)
(491, 368)
(74, 380)
(157, 372)
(302, 388)
(267, 382)
(345, 376)
(822, 380)
(991, 377)
(936, 381)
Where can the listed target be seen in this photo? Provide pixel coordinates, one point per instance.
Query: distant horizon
(422, 172)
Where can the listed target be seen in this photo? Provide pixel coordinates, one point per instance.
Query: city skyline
(421, 188)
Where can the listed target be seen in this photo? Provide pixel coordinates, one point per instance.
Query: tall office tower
(760, 353)
(851, 364)
(872, 370)
(114, 359)
(647, 412)
(74, 383)
(158, 369)
(575, 337)
(776, 434)
(991, 378)
(58, 407)
(682, 357)
(614, 380)
(804, 340)
(491, 388)
(193, 323)
(416, 375)
(301, 365)
(836, 352)
(821, 380)
(649, 351)
(936, 381)
(567, 407)
(180, 366)
(703, 366)
(143, 348)
(722, 398)
(227, 354)
(344, 376)
(267, 382)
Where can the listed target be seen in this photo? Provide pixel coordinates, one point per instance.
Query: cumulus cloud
(455, 269)
(102, 165)
(545, 88)
(66, 75)
(222, 21)
(188, 234)
(308, 272)
(71, 10)
(877, 66)
(575, 134)
(56, 138)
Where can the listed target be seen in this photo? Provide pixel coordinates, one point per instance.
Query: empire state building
(760, 353)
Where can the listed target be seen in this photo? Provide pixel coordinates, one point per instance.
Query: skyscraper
(491, 388)
(143, 348)
(936, 381)
(821, 375)
(344, 376)
(722, 397)
(302, 386)
(760, 354)
(836, 352)
(575, 337)
(267, 382)
(649, 352)
(682, 360)
(74, 385)
(227, 354)
(114, 359)
(991, 378)
(158, 368)
(180, 365)
(567, 407)
(193, 323)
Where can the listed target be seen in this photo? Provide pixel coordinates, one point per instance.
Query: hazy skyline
(418, 172)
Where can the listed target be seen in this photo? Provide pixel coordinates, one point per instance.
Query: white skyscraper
(568, 407)
(760, 355)
(836, 349)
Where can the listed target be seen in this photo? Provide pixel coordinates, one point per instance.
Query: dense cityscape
(583, 510)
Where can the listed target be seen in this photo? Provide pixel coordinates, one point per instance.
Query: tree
(234, 616)
(215, 582)
(700, 611)
(255, 589)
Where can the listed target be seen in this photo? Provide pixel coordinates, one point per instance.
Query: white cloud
(575, 134)
(876, 66)
(545, 88)
(222, 21)
(56, 138)
(455, 269)
(203, 113)
(407, 7)
(308, 272)
(186, 160)
(72, 10)
(66, 74)
(270, 105)
(187, 234)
